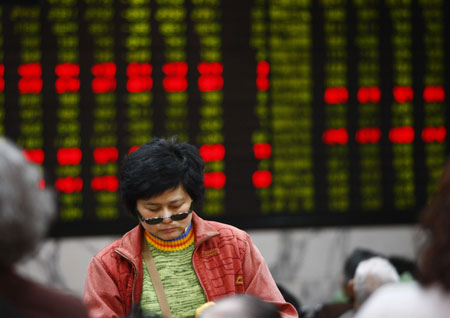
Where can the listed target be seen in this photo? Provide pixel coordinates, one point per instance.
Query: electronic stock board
(307, 113)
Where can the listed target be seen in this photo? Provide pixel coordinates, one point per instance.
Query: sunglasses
(157, 220)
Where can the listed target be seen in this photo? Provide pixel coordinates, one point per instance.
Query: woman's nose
(167, 214)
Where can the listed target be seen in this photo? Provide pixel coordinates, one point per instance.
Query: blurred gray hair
(25, 209)
(241, 306)
(371, 274)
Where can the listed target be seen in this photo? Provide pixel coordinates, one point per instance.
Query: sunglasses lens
(174, 217)
(154, 221)
(179, 217)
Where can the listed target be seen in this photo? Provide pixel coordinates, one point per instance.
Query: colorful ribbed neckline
(177, 244)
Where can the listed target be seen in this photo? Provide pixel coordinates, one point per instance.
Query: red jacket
(225, 260)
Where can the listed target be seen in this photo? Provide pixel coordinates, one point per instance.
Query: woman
(430, 298)
(195, 261)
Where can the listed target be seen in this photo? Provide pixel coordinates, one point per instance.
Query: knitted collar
(176, 244)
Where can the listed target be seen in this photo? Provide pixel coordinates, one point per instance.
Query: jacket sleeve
(101, 294)
(259, 281)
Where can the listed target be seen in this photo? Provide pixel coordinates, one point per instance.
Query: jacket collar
(203, 230)
(131, 243)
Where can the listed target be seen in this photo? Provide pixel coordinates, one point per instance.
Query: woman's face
(170, 202)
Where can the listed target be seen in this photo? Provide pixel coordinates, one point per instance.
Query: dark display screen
(307, 113)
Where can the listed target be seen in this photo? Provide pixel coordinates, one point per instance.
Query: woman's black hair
(160, 165)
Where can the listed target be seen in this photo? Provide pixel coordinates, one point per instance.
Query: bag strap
(156, 280)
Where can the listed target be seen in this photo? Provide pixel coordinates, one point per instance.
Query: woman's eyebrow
(151, 203)
(178, 199)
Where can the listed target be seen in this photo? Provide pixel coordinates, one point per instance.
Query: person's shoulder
(61, 302)
(406, 289)
(227, 229)
(398, 292)
(394, 300)
(37, 298)
(220, 233)
(109, 248)
(125, 242)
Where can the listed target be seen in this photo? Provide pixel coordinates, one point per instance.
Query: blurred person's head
(370, 275)
(351, 263)
(241, 306)
(434, 262)
(25, 209)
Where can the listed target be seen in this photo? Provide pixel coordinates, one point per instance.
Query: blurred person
(7, 311)
(343, 300)
(369, 276)
(25, 213)
(430, 296)
(173, 261)
(351, 264)
(241, 306)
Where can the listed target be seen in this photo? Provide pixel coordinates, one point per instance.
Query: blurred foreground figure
(344, 300)
(430, 298)
(370, 275)
(25, 213)
(351, 264)
(241, 306)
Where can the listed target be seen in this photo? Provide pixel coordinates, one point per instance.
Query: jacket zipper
(135, 274)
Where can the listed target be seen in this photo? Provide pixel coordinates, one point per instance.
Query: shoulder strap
(156, 280)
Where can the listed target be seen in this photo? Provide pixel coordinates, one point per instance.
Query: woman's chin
(168, 234)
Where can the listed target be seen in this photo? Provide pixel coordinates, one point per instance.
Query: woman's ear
(351, 289)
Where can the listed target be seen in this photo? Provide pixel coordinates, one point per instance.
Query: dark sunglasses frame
(160, 219)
